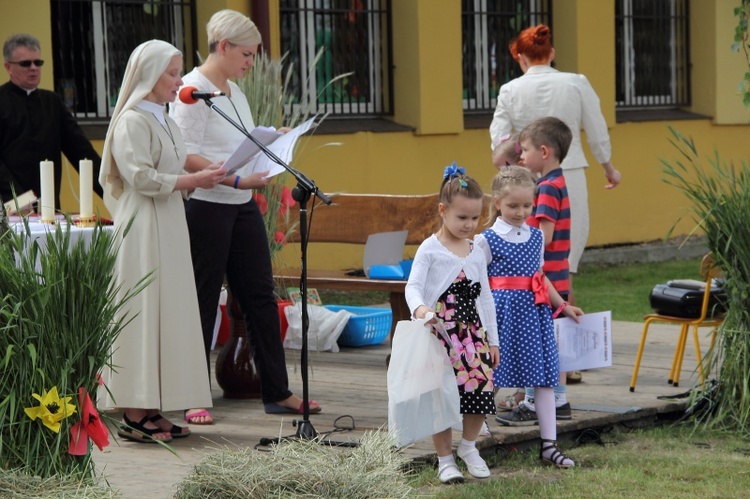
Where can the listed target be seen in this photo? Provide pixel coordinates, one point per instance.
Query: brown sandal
(137, 431)
(175, 431)
(557, 458)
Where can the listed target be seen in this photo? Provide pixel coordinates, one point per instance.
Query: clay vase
(236, 373)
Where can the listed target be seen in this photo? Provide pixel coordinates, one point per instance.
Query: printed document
(586, 344)
(249, 154)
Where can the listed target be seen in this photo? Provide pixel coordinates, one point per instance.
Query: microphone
(191, 95)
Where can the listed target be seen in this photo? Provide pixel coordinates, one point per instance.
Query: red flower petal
(286, 197)
(280, 237)
(90, 426)
(79, 440)
(262, 202)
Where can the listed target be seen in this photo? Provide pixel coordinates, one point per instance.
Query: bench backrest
(351, 218)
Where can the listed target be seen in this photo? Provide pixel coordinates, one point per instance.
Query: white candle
(86, 174)
(47, 175)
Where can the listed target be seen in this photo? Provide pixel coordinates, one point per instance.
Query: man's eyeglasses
(27, 64)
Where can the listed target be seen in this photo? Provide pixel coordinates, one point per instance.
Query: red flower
(286, 198)
(280, 237)
(262, 202)
(90, 426)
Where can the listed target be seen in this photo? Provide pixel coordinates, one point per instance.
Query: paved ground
(353, 382)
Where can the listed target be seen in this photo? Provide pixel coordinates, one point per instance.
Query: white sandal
(475, 470)
(449, 473)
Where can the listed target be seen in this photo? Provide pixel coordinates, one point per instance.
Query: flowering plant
(266, 95)
(278, 198)
(59, 317)
(267, 88)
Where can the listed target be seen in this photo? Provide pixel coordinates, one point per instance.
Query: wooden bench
(350, 219)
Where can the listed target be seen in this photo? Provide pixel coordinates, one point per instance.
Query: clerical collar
(152, 107)
(22, 90)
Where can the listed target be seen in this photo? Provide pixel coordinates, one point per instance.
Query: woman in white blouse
(227, 232)
(544, 91)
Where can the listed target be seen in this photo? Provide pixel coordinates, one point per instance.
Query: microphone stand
(301, 193)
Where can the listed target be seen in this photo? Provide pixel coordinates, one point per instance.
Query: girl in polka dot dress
(449, 279)
(523, 299)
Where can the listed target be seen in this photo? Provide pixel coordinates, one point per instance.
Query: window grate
(92, 40)
(488, 28)
(653, 56)
(323, 39)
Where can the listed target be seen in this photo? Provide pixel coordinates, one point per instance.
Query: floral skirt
(469, 351)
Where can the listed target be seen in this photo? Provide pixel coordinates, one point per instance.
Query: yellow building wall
(427, 76)
(582, 34)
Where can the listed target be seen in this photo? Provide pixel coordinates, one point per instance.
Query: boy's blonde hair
(506, 179)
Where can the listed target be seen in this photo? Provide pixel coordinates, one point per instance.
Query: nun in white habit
(158, 358)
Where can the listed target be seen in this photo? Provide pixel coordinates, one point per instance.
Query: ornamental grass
(302, 468)
(720, 196)
(58, 321)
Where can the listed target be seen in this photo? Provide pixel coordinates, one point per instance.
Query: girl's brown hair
(457, 183)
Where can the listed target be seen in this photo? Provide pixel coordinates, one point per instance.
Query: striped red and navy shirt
(552, 203)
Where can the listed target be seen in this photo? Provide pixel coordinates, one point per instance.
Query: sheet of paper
(586, 344)
(248, 150)
(249, 157)
(283, 147)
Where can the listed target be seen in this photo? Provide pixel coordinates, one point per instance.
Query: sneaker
(449, 473)
(520, 416)
(563, 412)
(525, 416)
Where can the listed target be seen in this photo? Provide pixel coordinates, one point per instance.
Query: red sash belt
(536, 283)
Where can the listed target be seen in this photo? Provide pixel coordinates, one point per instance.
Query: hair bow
(502, 139)
(453, 170)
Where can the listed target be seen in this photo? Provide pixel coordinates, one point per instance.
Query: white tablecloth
(39, 231)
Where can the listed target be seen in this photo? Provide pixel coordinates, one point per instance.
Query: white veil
(145, 66)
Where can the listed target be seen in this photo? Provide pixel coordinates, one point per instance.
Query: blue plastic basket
(367, 325)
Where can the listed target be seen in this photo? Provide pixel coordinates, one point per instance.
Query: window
(488, 27)
(653, 59)
(92, 40)
(324, 39)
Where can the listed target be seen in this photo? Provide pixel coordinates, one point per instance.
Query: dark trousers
(230, 239)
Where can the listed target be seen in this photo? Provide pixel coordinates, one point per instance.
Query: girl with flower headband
(523, 298)
(507, 151)
(449, 279)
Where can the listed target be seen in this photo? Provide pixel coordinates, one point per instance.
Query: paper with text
(281, 144)
(586, 344)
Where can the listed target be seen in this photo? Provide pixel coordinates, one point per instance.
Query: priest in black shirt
(35, 125)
